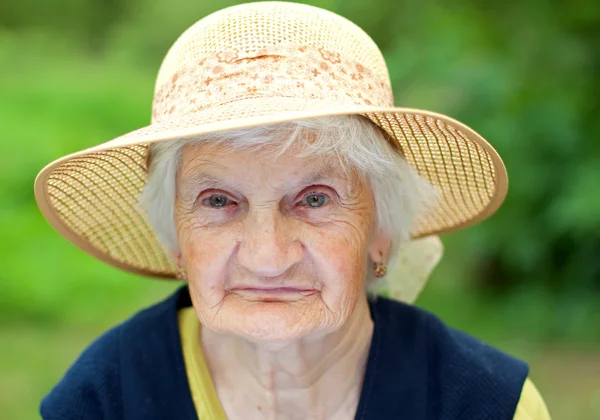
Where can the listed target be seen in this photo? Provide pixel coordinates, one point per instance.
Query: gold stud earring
(379, 269)
(181, 273)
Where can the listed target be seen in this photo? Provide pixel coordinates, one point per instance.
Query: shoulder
(93, 384)
(441, 340)
(462, 373)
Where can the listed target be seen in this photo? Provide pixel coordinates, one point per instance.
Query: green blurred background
(74, 73)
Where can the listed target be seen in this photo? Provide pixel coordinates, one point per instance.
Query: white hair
(400, 194)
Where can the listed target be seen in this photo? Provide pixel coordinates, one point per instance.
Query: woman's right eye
(216, 201)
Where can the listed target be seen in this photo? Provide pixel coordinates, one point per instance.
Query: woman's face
(274, 249)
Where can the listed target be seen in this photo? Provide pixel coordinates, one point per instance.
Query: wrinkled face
(274, 249)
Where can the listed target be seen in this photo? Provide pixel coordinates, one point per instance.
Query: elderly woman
(278, 180)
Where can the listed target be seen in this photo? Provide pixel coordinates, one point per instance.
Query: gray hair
(400, 194)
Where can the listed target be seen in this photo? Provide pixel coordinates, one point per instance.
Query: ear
(379, 248)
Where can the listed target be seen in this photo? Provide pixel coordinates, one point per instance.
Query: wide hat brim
(90, 197)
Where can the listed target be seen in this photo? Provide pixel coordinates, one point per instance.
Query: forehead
(214, 161)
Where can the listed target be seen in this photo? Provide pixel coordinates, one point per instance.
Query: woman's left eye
(315, 200)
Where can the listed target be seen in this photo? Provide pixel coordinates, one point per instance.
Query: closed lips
(273, 290)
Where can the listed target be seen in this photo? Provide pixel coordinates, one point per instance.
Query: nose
(269, 246)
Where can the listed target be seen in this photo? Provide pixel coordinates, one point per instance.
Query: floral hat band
(294, 71)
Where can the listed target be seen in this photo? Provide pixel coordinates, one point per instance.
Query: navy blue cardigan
(418, 368)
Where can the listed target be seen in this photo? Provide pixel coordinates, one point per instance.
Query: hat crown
(252, 27)
(270, 49)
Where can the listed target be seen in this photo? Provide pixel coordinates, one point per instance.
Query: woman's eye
(216, 201)
(316, 200)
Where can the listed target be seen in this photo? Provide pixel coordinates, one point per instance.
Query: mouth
(271, 294)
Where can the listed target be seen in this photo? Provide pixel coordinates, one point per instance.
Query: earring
(379, 269)
(181, 273)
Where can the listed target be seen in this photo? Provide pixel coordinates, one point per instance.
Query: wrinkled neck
(317, 376)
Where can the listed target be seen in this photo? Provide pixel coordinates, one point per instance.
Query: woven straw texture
(255, 64)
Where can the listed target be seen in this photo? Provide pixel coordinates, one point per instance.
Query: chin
(275, 321)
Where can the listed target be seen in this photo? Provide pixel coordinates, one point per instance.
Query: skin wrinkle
(192, 182)
(304, 356)
(349, 143)
(325, 361)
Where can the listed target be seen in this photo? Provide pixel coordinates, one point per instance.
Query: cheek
(206, 253)
(339, 253)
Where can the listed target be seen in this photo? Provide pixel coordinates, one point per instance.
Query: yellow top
(202, 389)
(531, 405)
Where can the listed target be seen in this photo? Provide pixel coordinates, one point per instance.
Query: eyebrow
(191, 184)
(325, 173)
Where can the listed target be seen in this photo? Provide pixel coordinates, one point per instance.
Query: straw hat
(263, 63)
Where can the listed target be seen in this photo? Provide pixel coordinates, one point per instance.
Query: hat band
(291, 71)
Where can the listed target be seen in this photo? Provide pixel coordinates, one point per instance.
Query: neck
(315, 377)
